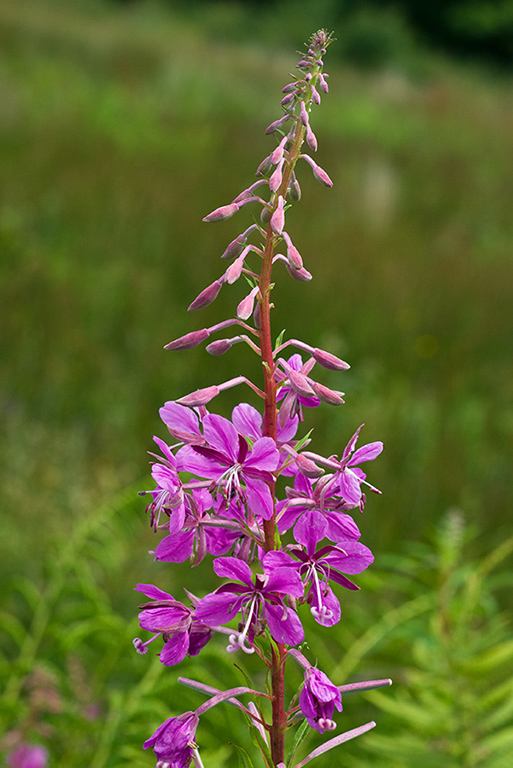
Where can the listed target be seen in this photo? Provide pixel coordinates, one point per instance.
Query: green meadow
(120, 128)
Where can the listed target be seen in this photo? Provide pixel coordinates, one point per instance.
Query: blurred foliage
(372, 32)
(429, 618)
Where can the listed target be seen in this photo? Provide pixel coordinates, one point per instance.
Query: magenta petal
(189, 460)
(278, 559)
(233, 568)
(175, 649)
(165, 618)
(153, 592)
(264, 455)
(165, 477)
(180, 418)
(285, 580)
(284, 624)
(352, 442)
(341, 526)
(260, 500)
(215, 609)
(247, 420)
(310, 529)
(350, 487)
(357, 559)
(221, 435)
(175, 548)
(366, 452)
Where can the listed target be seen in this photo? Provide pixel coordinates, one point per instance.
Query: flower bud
(299, 274)
(327, 360)
(277, 124)
(206, 296)
(293, 254)
(245, 308)
(299, 383)
(315, 95)
(276, 178)
(265, 216)
(318, 172)
(294, 190)
(189, 341)
(219, 347)
(327, 395)
(278, 152)
(278, 217)
(303, 114)
(199, 397)
(235, 248)
(222, 213)
(311, 139)
(264, 167)
(307, 467)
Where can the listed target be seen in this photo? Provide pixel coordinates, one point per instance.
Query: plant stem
(270, 430)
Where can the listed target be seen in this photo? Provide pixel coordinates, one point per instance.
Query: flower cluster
(275, 516)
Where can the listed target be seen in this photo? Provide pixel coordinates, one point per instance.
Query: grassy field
(119, 130)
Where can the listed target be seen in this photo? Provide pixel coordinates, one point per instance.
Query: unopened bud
(264, 167)
(245, 307)
(219, 347)
(327, 360)
(278, 217)
(311, 139)
(199, 397)
(299, 383)
(265, 216)
(293, 254)
(315, 95)
(277, 176)
(206, 296)
(318, 172)
(222, 213)
(189, 341)
(294, 191)
(278, 152)
(327, 395)
(276, 125)
(303, 114)
(299, 274)
(307, 467)
(234, 248)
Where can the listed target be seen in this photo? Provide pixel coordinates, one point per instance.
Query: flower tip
(189, 341)
(199, 397)
(222, 213)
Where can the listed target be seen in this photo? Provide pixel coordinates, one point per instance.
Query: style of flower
(173, 741)
(182, 633)
(318, 699)
(261, 600)
(237, 471)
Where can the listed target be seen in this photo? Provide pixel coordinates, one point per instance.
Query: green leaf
(279, 339)
(244, 758)
(300, 735)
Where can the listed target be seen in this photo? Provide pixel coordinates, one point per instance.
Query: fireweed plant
(278, 553)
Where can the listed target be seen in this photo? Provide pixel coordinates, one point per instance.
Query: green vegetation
(119, 130)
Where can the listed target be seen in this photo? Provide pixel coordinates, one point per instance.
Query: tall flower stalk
(219, 488)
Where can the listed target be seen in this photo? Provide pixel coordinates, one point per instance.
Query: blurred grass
(119, 130)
